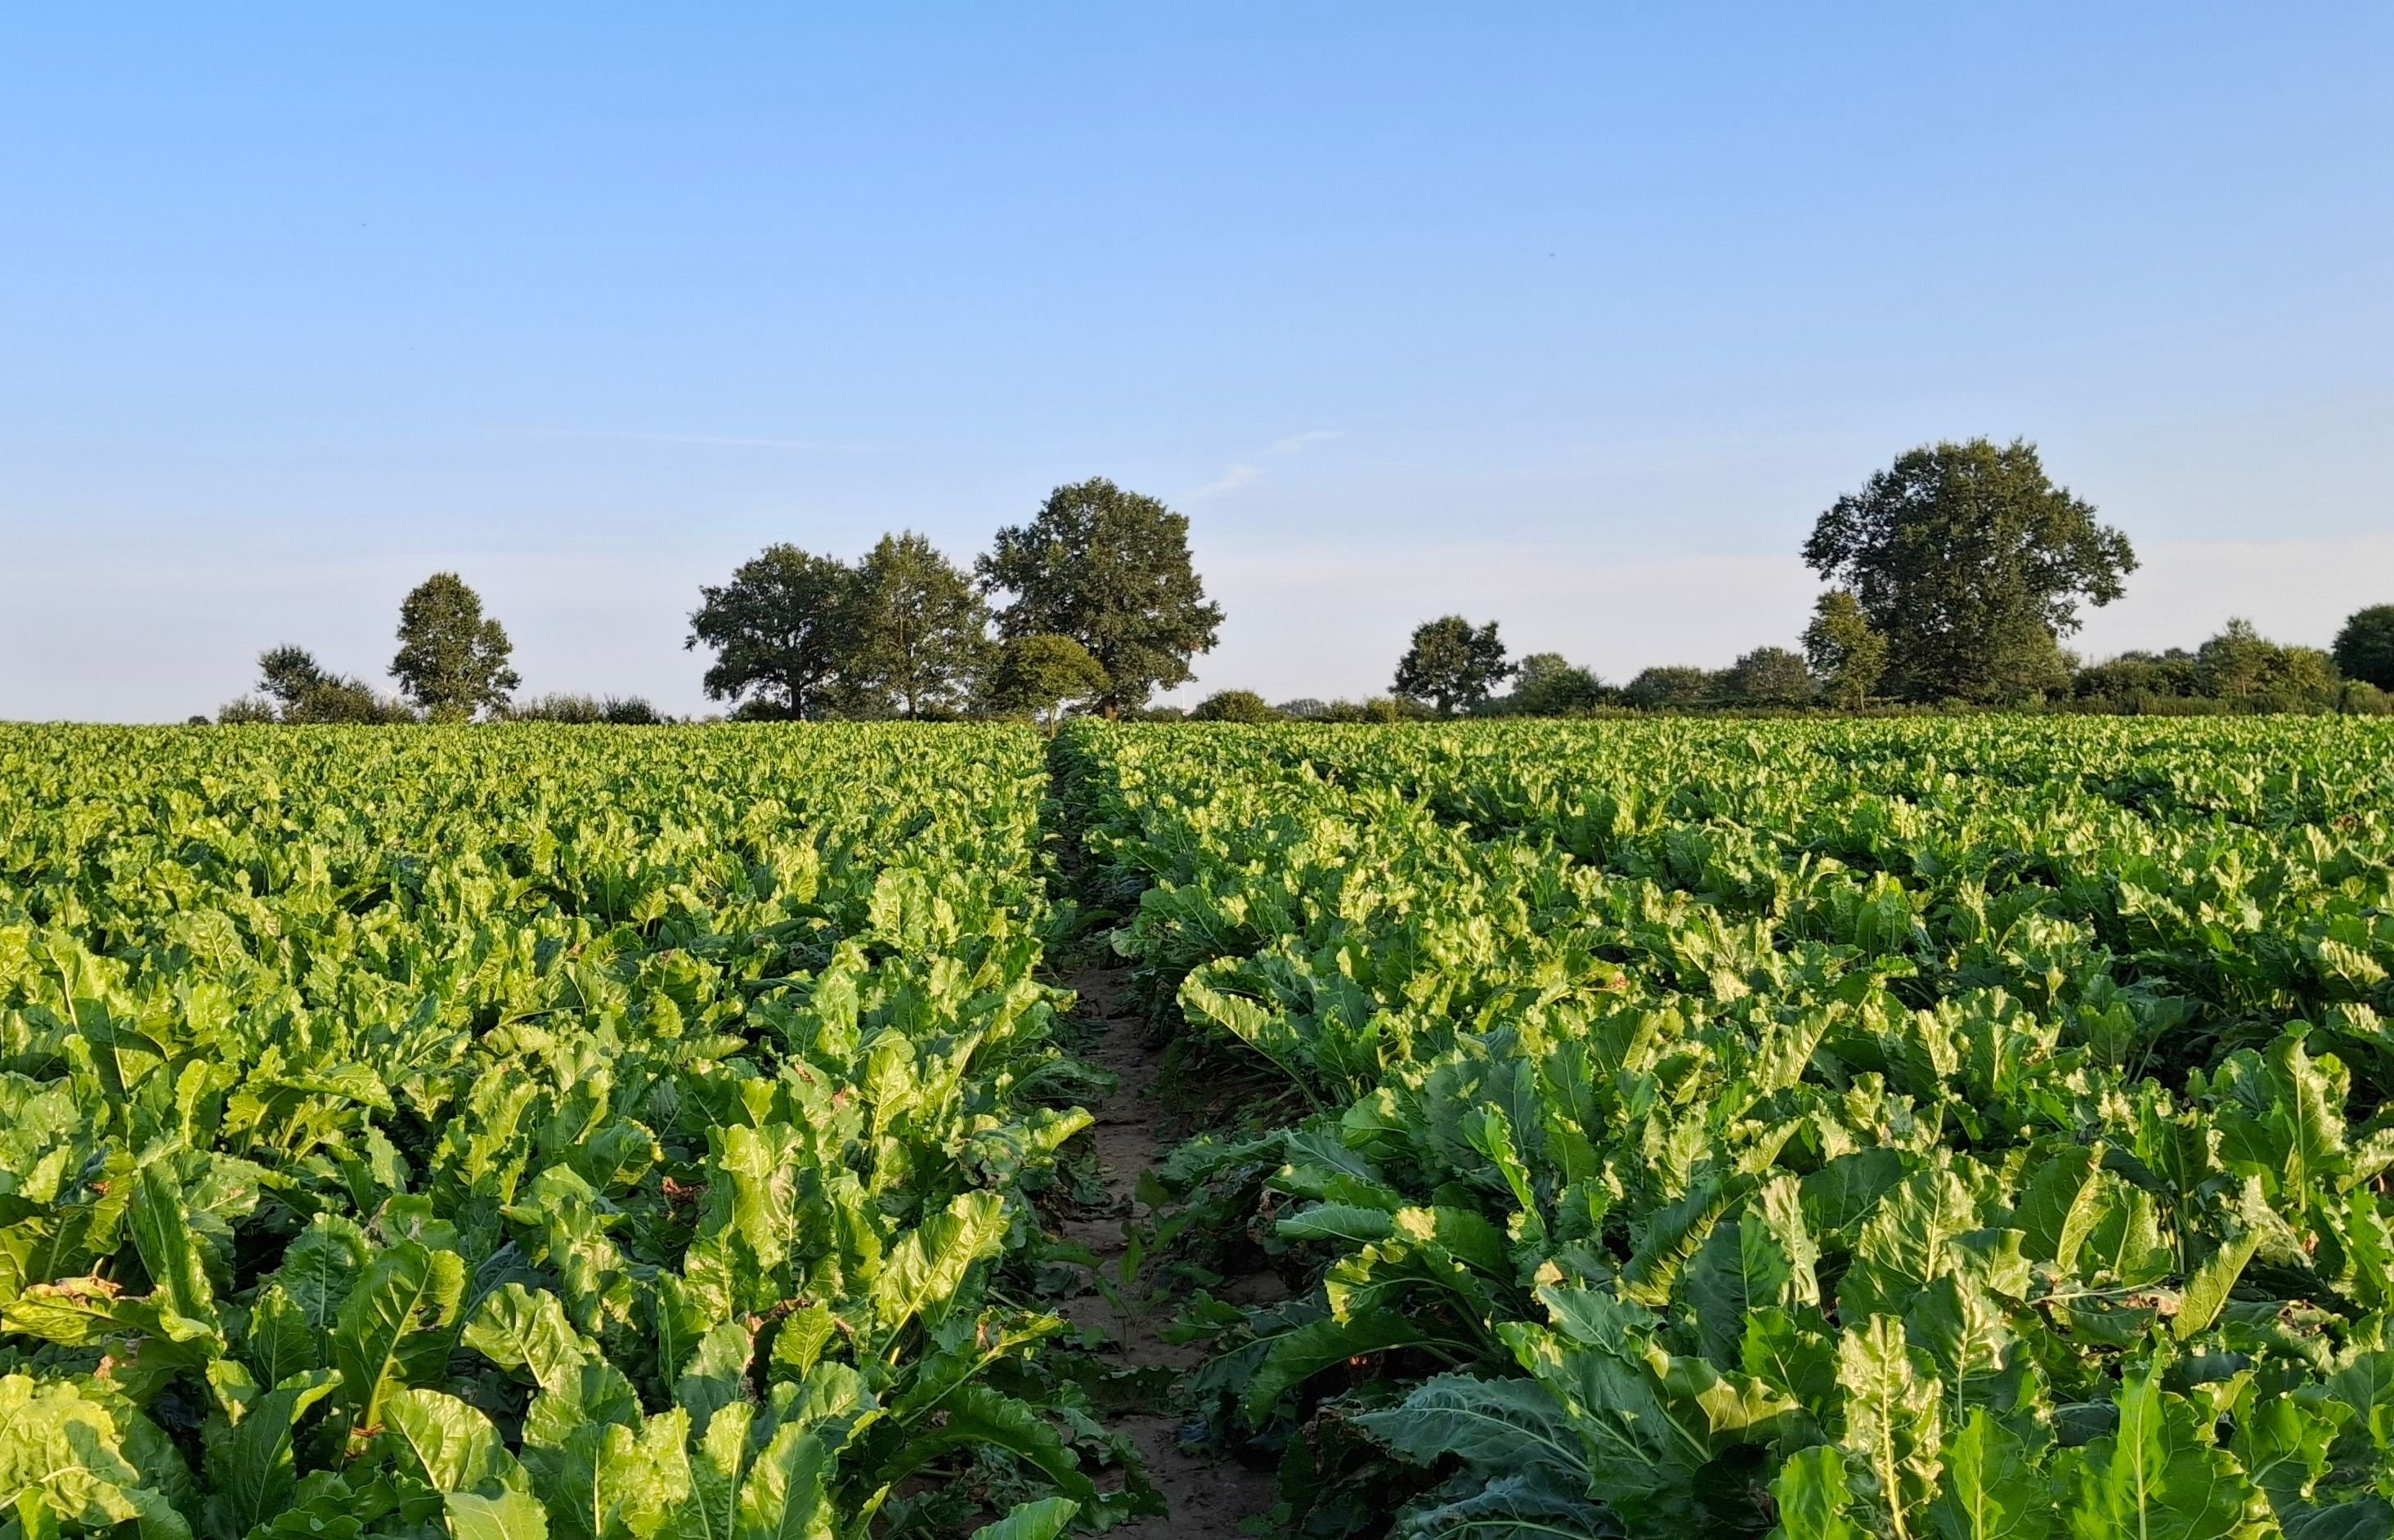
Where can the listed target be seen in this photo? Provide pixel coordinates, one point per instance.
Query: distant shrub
(622, 711)
(244, 710)
(1771, 677)
(1549, 685)
(1233, 706)
(2360, 698)
(1669, 686)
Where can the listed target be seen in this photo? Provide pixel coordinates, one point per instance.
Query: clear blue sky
(1570, 317)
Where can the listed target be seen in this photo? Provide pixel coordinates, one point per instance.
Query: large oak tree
(1972, 564)
(779, 631)
(918, 633)
(453, 658)
(1111, 570)
(1451, 663)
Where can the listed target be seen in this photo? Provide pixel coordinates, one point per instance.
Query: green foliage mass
(1040, 673)
(1772, 676)
(1972, 565)
(527, 1135)
(452, 659)
(1670, 685)
(1548, 683)
(297, 690)
(1451, 663)
(1110, 568)
(2364, 648)
(1937, 1128)
(1848, 658)
(917, 632)
(1233, 706)
(779, 633)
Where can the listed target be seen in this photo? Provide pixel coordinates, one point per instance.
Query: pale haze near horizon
(1574, 323)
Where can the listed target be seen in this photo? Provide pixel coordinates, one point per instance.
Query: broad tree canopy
(1971, 564)
(918, 632)
(453, 658)
(779, 631)
(1111, 570)
(1451, 663)
(2364, 648)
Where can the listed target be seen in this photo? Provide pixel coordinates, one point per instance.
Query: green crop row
(523, 1133)
(1967, 1128)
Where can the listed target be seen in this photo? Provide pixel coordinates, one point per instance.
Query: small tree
(1771, 677)
(1233, 706)
(2364, 648)
(452, 659)
(1451, 663)
(779, 631)
(1039, 673)
(1843, 650)
(2238, 661)
(630, 710)
(289, 674)
(2241, 664)
(297, 690)
(1972, 564)
(247, 709)
(2133, 681)
(918, 633)
(1111, 570)
(1549, 685)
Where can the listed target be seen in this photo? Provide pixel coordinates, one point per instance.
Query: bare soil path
(1209, 1498)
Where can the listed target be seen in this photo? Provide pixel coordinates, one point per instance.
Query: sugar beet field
(1923, 1129)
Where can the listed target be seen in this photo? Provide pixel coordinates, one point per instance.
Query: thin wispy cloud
(1234, 475)
(1239, 473)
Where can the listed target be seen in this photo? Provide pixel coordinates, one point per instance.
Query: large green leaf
(507, 1516)
(2157, 1478)
(62, 1453)
(712, 1509)
(395, 1326)
(1992, 1489)
(449, 1445)
(170, 1253)
(1894, 1422)
(1043, 1519)
(1497, 1426)
(251, 1467)
(784, 1497)
(921, 1273)
(519, 1329)
(1299, 1353)
(1812, 1497)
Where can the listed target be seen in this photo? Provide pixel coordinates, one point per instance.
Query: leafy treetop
(1842, 650)
(1038, 673)
(917, 632)
(1971, 563)
(779, 631)
(2364, 648)
(1451, 663)
(1111, 570)
(1233, 706)
(453, 658)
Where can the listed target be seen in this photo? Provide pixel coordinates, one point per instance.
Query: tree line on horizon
(1955, 576)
